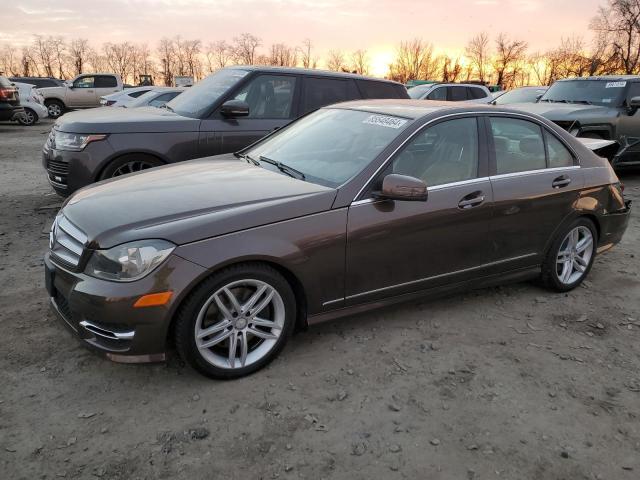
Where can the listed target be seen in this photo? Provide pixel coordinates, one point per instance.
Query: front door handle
(472, 200)
(561, 181)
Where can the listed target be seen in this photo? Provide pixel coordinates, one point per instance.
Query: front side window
(559, 155)
(444, 153)
(84, 82)
(356, 139)
(269, 96)
(439, 93)
(518, 145)
(457, 94)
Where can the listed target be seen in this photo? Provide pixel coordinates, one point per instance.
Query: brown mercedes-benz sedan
(351, 207)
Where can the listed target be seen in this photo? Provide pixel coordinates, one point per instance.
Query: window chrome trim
(526, 173)
(477, 114)
(434, 277)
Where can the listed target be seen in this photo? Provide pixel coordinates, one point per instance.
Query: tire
(55, 108)
(129, 164)
(28, 118)
(207, 322)
(571, 256)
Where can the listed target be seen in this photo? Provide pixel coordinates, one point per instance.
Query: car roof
(603, 77)
(309, 71)
(416, 109)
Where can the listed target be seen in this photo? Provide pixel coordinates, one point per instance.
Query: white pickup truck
(84, 91)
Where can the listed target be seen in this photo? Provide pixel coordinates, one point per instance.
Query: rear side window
(162, 99)
(439, 93)
(319, 92)
(269, 96)
(558, 154)
(106, 82)
(476, 93)
(457, 94)
(373, 89)
(518, 144)
(137, 94)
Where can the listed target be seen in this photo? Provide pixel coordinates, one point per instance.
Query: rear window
(319, 92)
(373, 89)
(137, 94)
(105, 82)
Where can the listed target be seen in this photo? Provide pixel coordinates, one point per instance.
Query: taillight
(110, 102)
(7, 93)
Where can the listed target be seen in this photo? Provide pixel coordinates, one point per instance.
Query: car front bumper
(101, 313)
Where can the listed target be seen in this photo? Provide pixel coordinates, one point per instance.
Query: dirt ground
(512, 382)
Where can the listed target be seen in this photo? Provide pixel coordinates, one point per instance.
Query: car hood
(119, 120)
(566, 111)
(191, 201)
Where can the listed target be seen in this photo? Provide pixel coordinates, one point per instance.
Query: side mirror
(634, 105)
(234, 108)
(538, 97)
(402, 187)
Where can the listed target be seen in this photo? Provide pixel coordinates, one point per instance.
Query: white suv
(453, 92)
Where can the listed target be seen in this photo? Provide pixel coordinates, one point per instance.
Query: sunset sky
(377, 25)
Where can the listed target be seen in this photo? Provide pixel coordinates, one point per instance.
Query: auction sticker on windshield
(385, 121)
(615, 84)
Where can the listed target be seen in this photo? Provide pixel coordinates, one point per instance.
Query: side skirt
(483, 282)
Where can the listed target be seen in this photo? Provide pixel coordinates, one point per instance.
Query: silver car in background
(157, 97)
(452, 92)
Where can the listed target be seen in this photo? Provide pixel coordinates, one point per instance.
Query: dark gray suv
(223, 113)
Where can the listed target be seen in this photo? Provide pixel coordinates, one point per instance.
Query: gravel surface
(512, 382)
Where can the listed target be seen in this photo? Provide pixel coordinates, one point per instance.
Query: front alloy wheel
(236, 321)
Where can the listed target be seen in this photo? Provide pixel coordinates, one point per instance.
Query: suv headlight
(74, 142)
(129, 261)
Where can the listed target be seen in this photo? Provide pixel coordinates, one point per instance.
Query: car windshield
(329, 146)
(419, 91)
(195, 101)
(597, 92)
(519, 95)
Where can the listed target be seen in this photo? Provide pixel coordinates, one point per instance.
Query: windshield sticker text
(615, 84)
(385, 121)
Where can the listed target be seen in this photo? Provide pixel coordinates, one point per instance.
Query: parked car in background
(125, 97)
(350, 208)
(32, 102)
(84, 91)
(9, 100)
(39, 82)
(597, 107)
(157, 97)
(452, 92)
(223, 113)
(519, 95)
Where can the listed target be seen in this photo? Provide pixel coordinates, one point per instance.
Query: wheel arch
(572, 217)
(121, 155)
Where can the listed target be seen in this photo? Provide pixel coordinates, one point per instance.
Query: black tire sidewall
(110, 169)
(550, 274)
(188, 313)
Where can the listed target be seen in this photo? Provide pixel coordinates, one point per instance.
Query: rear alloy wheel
(571, 256)
(236, 322)
(54, 108)
(28, 118)
(129, 164)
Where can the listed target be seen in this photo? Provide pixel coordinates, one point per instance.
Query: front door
(536, 181)
(396, 247)
(83, 93)
(271, 106)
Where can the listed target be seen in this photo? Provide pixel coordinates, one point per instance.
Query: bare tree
(335, 60)
(60, 56)
(414, 60)
(306, 58)
(451, 71)
(360, 62)
(79, 52)
(618, 24)
(478, 52)
(119, 57)
(44, 54)
(509, 60)
(9, 62)
(282, 55)
(167, 55)
(218, 54)
(245, 47)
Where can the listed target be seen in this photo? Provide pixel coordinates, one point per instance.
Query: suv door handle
(561, 181)
(472, 200)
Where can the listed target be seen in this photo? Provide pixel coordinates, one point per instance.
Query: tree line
(613, 49)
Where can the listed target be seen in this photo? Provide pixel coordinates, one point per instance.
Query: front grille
(58, 171)
(66, 242)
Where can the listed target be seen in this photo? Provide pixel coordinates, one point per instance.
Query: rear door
(536, 180)
(397, 247)
(272, 105)
(105, 85)
(83, 92)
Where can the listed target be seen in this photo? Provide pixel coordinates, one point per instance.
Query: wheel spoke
(232, 298)
(577, 265)
(567, 270)
(213, 329)
(264, 323)
(233, 345)
(262, 334)
(244, 348)
(248, 305)
(263, 303)
(222, 307)
(217, 339)
(585, 243)
(581, 261)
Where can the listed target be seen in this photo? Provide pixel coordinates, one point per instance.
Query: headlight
(129, 261)
(74, 142)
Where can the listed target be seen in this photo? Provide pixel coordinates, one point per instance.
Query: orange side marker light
(153, 300)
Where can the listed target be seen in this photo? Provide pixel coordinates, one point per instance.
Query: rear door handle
(561, 181)
(472, 200)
